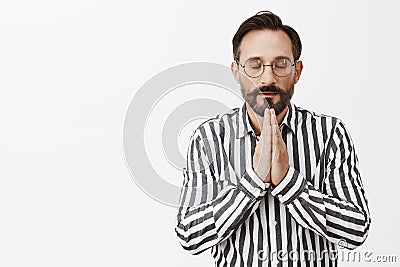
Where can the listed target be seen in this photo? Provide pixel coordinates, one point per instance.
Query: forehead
(266, 44)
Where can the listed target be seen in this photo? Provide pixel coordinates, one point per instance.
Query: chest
(307, 154)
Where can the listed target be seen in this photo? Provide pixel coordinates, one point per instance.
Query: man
(271, 183)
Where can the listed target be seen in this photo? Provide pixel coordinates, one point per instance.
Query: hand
(270, 159)
(263, 151)
(280, 158)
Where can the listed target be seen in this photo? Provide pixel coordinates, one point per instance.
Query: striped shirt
(318, 205)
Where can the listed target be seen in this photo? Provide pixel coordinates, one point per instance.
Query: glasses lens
(253, 67)
(282, 67)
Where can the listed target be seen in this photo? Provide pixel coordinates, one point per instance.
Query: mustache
(265, 89)
(269, 89)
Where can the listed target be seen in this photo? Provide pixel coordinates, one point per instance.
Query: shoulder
(328, 125)
(217, 125)
(309, 116)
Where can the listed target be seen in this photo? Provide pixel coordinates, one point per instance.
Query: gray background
(68, 70)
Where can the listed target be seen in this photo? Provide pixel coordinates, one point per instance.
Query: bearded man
(271, 183)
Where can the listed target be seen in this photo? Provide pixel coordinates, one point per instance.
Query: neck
(256, 121)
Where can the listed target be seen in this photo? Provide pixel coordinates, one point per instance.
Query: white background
(69, 69)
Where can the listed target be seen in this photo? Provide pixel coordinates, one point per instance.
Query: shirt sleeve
(211, 207)
(338, 211)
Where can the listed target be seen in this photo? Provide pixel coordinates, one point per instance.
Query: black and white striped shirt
(319, 204)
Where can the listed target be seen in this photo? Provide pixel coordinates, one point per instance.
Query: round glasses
(254, 67)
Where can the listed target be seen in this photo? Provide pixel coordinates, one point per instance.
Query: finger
(266, 129)
(275, 134)
(267, 138)
(264, 146)
(274, 141)
(274, 122)
(273, 118)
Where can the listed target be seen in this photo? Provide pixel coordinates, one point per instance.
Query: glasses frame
(265, 65)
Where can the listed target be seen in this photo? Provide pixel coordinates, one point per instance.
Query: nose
(267, 77)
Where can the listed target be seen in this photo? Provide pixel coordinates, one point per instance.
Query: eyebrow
(278, 57)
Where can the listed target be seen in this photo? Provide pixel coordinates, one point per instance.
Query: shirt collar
(291, 118)
(243, 122)
(244, 126)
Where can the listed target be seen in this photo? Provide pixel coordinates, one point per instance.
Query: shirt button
(275, 223)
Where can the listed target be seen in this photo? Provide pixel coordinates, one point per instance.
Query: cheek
(287, 82)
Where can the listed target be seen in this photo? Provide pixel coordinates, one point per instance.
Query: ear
(235, 71)
(298, 70)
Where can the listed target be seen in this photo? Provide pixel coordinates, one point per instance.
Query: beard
(259, 105)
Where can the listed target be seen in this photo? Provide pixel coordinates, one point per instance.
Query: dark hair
(265, 20)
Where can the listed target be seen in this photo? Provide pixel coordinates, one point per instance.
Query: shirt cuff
(291, 186)
(252, 185)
